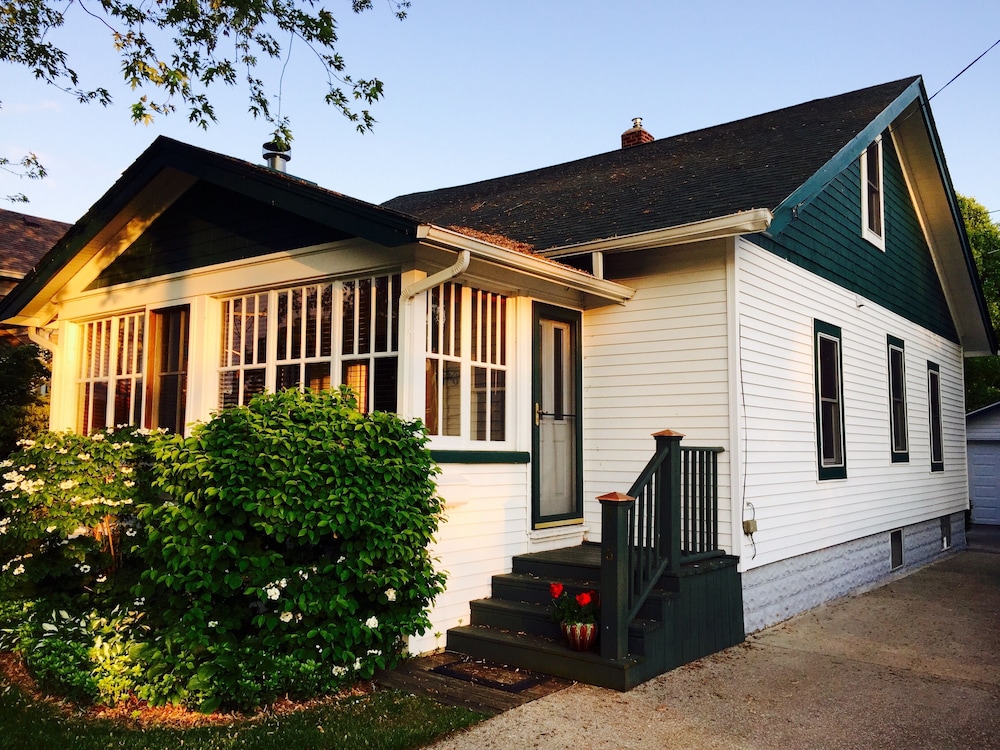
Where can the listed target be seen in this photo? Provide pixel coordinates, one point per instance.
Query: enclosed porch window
(313, 336)
(465, 386)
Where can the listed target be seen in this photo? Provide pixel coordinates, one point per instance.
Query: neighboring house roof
(983, 411)
(24, 240)
(754, 163)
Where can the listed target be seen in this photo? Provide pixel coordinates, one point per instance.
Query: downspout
(440, 277)
(409, 368)
(45, 342)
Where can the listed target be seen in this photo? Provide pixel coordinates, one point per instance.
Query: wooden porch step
(549, 656)
(579, 563)
(532, 589)
(533, 619)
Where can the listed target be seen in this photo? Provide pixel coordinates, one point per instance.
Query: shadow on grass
(381, 720)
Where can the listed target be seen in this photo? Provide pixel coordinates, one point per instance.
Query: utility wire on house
(920, 108)
(964, 69)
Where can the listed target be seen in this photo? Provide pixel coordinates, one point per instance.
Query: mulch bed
(139, 714)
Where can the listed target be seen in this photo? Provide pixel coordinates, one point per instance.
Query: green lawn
(382, 719)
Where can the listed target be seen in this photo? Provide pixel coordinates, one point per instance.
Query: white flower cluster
(371, 622)
(4, 524)
(18, 481)
(18, 568)
(390, 594)
(25, 443)
(76, 499)
(273, 590)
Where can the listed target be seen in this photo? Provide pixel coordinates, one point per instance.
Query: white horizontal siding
(486, 523)
(796, 513)
(658, 362)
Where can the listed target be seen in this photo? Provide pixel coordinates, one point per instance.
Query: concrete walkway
(912, 664)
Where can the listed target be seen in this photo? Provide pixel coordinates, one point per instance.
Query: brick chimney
(636, 135)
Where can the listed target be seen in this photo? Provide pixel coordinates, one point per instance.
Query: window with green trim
(899, 434)
(829, 401)
(934, 416)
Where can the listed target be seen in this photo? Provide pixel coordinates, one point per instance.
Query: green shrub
(62, 668)
(297, 530)
(22, 411)
(67, 508)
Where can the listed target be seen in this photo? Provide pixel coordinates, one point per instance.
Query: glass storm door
(556, 418)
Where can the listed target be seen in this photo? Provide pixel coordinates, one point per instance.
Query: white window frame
(874, 234)
(101, 364)
(464, 353)
(268, 360)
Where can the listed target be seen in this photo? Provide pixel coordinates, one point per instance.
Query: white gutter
(532, 265)
(440, 277)
(743, 222)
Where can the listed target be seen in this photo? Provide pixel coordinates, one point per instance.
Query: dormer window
(872, 203)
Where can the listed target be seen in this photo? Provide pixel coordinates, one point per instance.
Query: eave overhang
(595, 292)
(742, 222)
(915, 137)
(148, 188)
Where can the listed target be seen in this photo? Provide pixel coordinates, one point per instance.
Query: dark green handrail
(668, 517)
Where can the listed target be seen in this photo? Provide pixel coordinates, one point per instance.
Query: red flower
(555, 590)
(583, 599)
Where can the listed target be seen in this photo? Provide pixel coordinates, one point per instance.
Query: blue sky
(483, 88)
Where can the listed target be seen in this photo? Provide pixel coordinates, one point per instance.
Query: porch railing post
(615, 583)
(668, 495)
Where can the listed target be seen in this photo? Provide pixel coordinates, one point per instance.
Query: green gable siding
(825, 238)
(206, 226)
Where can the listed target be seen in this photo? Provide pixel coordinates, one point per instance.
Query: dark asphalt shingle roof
(24, 239)
(752, 163)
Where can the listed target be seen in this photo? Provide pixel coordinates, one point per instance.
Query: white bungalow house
(793, 293)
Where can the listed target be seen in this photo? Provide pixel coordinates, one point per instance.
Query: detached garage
(982, 430)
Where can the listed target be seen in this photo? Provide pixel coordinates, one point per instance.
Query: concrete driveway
(912, 664)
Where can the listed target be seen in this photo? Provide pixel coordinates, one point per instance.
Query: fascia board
(743, 222)
(807, 191)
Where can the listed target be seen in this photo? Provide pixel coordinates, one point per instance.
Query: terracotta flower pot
(580, 636)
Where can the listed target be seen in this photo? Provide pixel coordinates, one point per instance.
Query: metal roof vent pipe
(276, 156)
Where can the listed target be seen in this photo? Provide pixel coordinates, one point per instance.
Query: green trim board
(789, 208)
(480, 457)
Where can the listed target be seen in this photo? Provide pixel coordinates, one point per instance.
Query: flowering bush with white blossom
(67, 508)
(295, 542)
